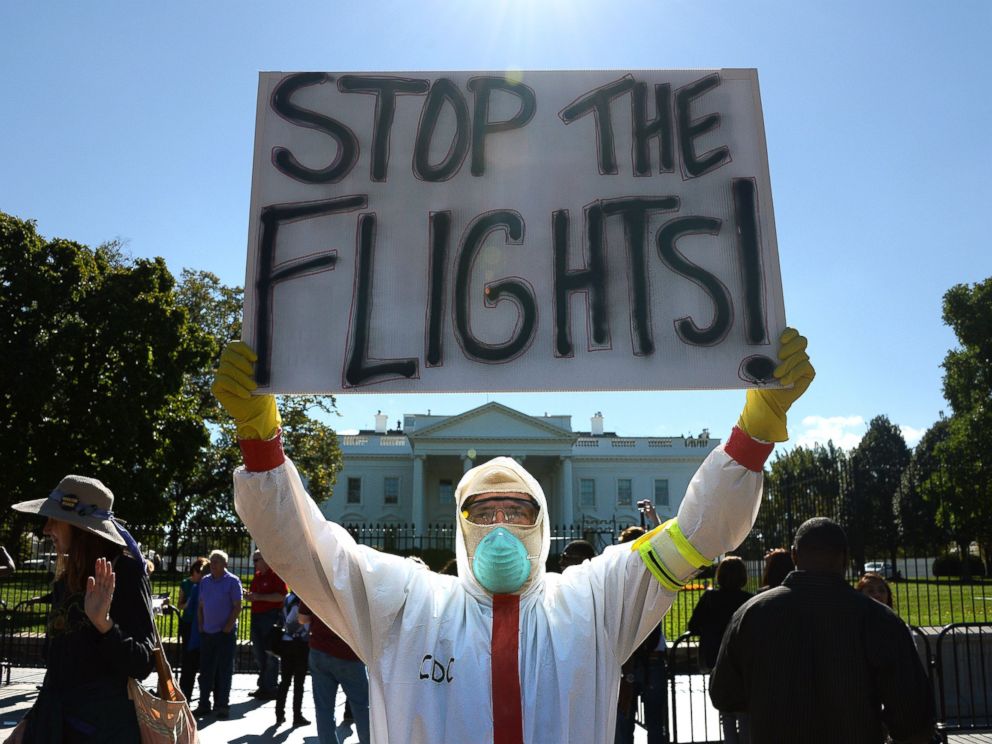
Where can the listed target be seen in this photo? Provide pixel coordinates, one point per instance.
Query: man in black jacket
(814, 661)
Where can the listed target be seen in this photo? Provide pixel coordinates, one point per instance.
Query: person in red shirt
(266, 594)
(333, 664)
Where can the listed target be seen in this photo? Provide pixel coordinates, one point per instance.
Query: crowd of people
(285, 637)
(496, 648)
(905, 714)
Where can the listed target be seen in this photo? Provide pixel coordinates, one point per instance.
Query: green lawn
(940, 602)
(26, 584)
(921, 602)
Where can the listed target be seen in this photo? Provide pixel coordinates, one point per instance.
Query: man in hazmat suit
(503, 652)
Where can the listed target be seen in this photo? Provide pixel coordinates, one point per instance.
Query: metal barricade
(645, 676)
(6, 621)
(923, 639)
(24, 632)
(693, 717)
(963, 667)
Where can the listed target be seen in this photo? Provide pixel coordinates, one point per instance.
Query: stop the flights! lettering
(449, 278)
(665, 129)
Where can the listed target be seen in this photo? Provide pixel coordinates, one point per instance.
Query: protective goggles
(512, 510)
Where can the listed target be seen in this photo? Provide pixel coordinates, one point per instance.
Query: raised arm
(722, 500)
(352, 588)
(118, 605)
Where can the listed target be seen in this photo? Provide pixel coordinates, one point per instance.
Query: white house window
(587, 492)
(391, 490)
(625, 492)
(354, 491)
(661, 492)
(446, 492)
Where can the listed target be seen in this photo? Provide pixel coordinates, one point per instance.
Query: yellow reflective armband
(669, 556)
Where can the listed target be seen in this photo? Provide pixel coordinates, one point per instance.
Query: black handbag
(273, 640)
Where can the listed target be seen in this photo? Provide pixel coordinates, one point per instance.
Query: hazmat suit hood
(505, 475)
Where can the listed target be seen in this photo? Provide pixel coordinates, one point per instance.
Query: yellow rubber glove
(764, 415)
(256, 415)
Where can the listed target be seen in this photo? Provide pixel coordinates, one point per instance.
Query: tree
(961, 488)
(106, 370)
(966, 453)
(201, 495)
(311, 444)
(877, 464)
(94, 352)
(922, 492)
(968, 369)
(801, 484)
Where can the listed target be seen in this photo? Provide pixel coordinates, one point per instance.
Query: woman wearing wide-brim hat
(99, 632)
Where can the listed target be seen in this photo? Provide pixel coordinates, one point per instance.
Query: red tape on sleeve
(262, 454)
(747, 451)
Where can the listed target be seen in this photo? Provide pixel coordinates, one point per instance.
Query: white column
(567, 516)
(419, 512)
(467, 464)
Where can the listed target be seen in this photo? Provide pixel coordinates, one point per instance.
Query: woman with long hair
(778, 565)
(99, 632)
(189, 628)
(876, 587)
(709, 621)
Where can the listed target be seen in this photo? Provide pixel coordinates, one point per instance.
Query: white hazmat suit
(450, 662)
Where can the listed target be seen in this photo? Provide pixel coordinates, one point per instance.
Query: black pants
(188, 671)
(189, 663)
(295, 655)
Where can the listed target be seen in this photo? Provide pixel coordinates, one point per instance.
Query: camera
(643, 504)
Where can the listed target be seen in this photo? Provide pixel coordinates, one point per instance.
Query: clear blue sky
(135, 121)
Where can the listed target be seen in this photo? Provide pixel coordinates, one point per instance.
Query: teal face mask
(500, 562)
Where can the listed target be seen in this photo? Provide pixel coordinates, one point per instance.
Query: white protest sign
(471, 231)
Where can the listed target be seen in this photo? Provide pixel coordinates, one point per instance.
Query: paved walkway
(251, 722)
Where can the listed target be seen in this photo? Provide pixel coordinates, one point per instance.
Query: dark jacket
(711, 617)
(84, 695)
(814, 661)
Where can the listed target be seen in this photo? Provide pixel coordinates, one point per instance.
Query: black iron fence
(922, 597)
(24, 593)
(958, 660)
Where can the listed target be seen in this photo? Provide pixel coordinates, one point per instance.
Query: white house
(409, 475)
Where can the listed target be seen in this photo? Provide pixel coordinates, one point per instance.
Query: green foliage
(968, 369)
(800, 484)
(216, 310)
(918, 503)
(94, 351)
(106, 371)
(966, 506)
(201, 495)
(950, 565)
(965, 509)
(311, 444)
(877, 464)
